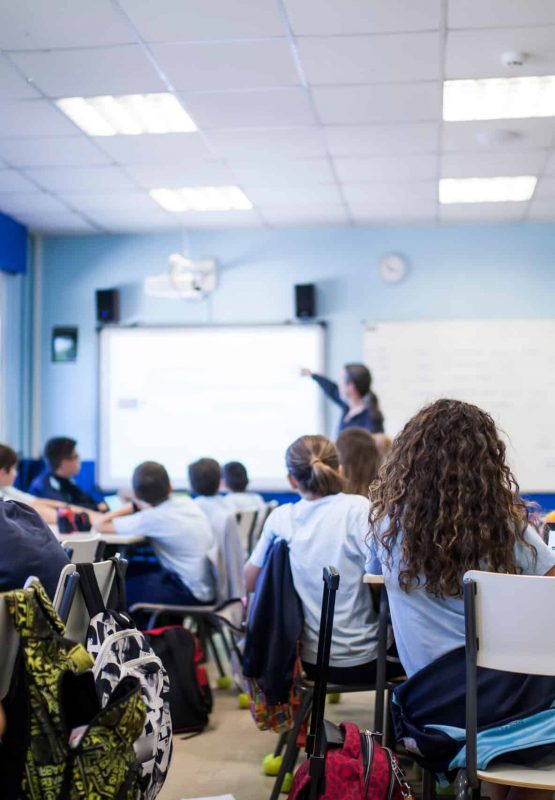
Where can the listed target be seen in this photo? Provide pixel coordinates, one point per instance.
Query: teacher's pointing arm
(329, 388)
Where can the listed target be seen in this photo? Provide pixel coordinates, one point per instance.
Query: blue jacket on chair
(274, 627)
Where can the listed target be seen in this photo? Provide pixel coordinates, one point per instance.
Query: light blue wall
(456, 272)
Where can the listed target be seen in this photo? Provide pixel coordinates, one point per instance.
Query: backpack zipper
(368, 748)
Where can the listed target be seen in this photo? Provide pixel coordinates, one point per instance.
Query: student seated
(8, 474)
(325, 527)
(179, 534)
(359, 459)
(446, 502)
(56, 482)
(28, 548)
(235, 481)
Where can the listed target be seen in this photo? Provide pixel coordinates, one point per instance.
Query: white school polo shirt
(181, 538)
(245, 501)
(330, 531)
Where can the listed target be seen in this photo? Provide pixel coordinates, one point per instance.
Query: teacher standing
(354, 395)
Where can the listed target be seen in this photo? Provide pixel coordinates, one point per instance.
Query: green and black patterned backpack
(59, 744)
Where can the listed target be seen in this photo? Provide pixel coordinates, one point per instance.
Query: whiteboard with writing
(233, 393)
(507, 367)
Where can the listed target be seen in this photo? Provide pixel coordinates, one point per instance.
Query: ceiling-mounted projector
(185, 278)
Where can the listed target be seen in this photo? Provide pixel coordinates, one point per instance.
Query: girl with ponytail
(327, 526)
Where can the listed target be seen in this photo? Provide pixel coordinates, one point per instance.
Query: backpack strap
(89, 589)
(120, 602)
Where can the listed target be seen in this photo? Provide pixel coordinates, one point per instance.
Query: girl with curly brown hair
(446, 502)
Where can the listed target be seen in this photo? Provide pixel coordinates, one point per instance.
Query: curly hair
(448, 493)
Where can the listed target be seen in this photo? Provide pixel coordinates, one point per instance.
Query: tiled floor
(227, 757)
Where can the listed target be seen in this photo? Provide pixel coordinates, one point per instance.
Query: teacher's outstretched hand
(353, 394)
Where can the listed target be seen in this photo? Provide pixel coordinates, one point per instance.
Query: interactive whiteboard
(232, 393)
(506, 367)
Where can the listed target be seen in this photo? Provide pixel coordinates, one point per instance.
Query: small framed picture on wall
(64, 345)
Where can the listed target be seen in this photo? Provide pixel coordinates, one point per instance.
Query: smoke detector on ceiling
(514, 59)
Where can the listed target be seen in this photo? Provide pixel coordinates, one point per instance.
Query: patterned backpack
(59, 744)
(120, 650)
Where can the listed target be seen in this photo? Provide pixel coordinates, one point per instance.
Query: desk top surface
(109, 538)
(375, 580)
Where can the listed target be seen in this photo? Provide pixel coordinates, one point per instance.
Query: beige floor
(227, 757)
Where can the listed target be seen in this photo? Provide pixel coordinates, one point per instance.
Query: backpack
(190, 697)
(52, 698)
(119, 650)
(357, 767)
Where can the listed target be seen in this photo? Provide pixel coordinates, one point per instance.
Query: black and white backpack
(120, 650)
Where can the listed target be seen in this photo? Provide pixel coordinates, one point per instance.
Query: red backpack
(358, 769)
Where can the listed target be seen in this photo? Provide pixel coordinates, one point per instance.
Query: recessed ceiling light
(499, 98)
(128, 114)
(202, 198)
(486, 190)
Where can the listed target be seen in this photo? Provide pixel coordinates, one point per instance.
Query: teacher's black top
(368, 418)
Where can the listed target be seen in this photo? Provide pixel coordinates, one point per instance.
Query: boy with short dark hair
(56, 482)
(179, 534)
(236, 480)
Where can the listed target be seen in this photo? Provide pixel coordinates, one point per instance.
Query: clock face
(393, 268)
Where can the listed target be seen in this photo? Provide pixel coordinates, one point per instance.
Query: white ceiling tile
(372, 195)
(114, 219)
(474, 136)
(66, 224)
(542, 210)
(387, 168)
(483, 212)
(80, 179)
(155, 148)
(407, 102)
(276, 107)
(33, 118)
(500, 13)
(477, 53)
(287, 216)
(371, 59)
(130, 202)
(294, 172)
(369, 140)
(268, 143)
(193, 173)
(545, 190)
(32, 25)
(491, 165)
(295, 195)
(31, 203)
(12, 85)
(316, 18)
(227, 65)
(51, 152)
(398, 213)
(223, 219)
(550, 165)
(96, 71)
(13, 181)
(193, 20)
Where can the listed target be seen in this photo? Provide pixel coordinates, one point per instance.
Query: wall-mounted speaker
(305, 300)
(107, 305)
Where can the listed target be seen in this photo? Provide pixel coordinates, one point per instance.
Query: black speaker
(107, 305)
(305, 300)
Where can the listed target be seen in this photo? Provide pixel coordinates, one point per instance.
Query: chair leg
(217, 659)
(292, 751)
(428, 785)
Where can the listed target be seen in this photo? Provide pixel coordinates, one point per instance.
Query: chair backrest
(514, 621)
(263, 515)
(9, 643)
(78, 618)
(83, 547)
(246, 520)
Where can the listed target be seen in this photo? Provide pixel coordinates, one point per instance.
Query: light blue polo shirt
(426, 627)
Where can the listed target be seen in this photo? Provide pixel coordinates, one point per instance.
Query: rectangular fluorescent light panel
(486, 190)
(499, 98)
(202, 198)
(128, 114)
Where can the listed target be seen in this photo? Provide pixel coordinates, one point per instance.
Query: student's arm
(550, 573)
(103, 523)
(251, 573)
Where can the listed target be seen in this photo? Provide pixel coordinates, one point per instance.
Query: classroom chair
(84, 549)
(511, 617)
(246, 522)
(261, 519)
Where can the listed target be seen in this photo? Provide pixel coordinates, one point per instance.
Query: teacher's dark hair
(314, 463)
(359, 375)
(447, 495)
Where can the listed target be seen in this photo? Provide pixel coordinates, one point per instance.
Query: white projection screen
(232, 393)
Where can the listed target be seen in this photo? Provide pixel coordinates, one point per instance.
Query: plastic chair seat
(540, 775)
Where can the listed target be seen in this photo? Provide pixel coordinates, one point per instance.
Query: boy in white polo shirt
(179, 534)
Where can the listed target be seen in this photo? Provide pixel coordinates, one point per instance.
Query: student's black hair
(151, 483)
(58, 448)
(235, 476)
(8, 457)
(359, 375)
(205, 476)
